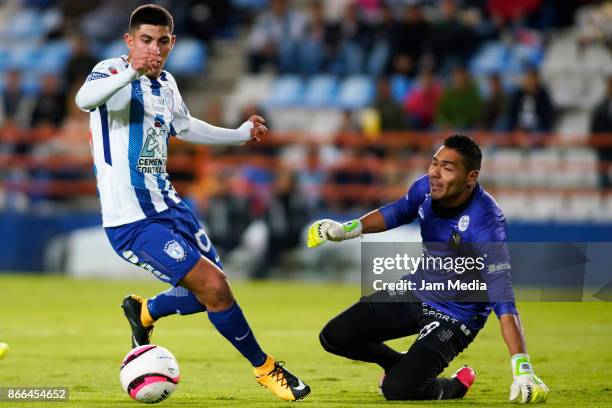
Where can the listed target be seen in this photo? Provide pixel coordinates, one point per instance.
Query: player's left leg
(142, 313)
(415, 375)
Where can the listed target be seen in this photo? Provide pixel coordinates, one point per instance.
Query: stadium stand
(328, 133)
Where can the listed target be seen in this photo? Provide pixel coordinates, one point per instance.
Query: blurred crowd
(384, 37)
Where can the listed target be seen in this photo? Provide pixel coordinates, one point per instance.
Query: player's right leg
(154, 246)
(358, 333)
(209, 284)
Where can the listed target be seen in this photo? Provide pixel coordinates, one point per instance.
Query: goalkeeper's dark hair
(468, 148)
(151, 14)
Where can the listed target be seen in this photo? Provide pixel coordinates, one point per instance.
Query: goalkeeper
(453, 210)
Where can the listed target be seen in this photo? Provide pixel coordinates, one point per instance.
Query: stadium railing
(514, 163)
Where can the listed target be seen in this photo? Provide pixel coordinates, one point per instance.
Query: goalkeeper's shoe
(466, 376)
(136, 311)
(274, 376)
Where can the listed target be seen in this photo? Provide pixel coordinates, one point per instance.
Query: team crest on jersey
(421, 213)
(175, 250)
(464, 221)
(154, 152)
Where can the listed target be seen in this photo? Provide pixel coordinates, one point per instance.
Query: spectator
(81, 61)
(422, 101)
(15, 106)
(391, 114)
(315, 49)
(530, 107)
(451, 40)
(351, 40)
(460, 106)
(409, 39)
(205, 17)
(379, 44)
(285, 217)
(50, 107)
(229, 209)
(495, 106)
(601, 122)
(510, 11)
(105, 23)
(274, 38)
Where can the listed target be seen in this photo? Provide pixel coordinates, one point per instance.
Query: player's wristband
(521, 364)
(352, 229)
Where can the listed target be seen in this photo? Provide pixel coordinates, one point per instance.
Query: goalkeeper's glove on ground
(526, 387)
(323, 230)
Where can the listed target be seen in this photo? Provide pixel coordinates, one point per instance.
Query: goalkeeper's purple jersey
(477, 225)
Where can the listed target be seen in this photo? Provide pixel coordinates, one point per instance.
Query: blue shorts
(168, 244)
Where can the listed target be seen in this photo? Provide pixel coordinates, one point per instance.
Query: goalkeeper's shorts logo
(175, 250)
(428, 329)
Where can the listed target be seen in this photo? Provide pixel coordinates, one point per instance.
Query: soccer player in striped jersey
(459, 220)
(135, 109)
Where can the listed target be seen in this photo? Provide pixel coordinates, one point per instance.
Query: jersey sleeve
(106, 68)
(406, 209)
(490, 243)
(106, 79)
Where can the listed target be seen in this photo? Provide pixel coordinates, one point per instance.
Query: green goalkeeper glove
(323, 230)
(526, 387)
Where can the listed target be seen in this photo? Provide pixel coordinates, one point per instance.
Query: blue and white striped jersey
(129, 141)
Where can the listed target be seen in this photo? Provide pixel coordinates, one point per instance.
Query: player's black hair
(468, 148)
(151, 14)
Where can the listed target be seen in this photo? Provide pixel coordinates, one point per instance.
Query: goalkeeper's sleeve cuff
(521, 364)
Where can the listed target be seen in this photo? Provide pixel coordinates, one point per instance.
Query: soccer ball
(149, 374)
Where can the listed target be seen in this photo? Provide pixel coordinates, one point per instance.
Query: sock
(447, 388)
(232, 324)
(172, 301)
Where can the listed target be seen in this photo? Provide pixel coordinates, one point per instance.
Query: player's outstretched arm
(526, 386)
(204, 133)
(96, 92)
(323, 230)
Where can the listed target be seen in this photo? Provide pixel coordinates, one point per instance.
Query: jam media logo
(175, 250)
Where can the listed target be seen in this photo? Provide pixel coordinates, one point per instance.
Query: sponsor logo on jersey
(96, 75)
(154, 153)
(175, 250)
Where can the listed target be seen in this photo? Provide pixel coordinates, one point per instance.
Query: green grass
(72, 333)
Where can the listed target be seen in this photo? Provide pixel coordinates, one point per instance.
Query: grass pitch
(71, 333)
